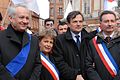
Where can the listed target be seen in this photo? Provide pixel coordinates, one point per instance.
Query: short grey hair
(47, 32)
(12, 9)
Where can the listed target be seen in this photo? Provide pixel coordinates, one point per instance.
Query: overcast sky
(43, 8)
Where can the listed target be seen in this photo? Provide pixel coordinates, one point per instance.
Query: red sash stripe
(103, 59)
(51, 72)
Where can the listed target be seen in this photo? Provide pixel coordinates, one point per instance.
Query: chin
(110, 30)
(21, 30)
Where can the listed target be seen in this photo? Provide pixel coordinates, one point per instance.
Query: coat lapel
(25, 39)
(13, 37)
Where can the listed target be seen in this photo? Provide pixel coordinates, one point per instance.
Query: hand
(79, 77)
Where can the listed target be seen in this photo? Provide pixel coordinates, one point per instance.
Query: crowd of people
(67, 52)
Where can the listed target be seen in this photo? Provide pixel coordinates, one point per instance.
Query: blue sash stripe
(110, 57)
(50, 62)
(98, 29)
(18, 62)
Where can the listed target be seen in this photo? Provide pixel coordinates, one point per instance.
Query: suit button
(77, 55)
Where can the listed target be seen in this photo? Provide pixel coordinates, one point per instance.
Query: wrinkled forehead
(108, 17)
(22, 9)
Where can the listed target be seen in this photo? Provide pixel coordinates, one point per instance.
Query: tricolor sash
(16, 64)
(49, 66)
(106, 57)
(98, 29)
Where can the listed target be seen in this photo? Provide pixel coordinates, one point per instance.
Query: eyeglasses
(49, 24)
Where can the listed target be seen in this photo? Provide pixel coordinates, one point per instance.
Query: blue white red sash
(15, 65)
(49, 66)
(106, 57)
(98, 29)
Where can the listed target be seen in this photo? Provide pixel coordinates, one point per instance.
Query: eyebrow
(117, 18)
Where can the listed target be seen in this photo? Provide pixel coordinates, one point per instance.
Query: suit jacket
(10, 46)
(68, 58)
(95, 68)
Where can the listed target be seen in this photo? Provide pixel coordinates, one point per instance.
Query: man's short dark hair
(62, 23)
(73, 14)
(48, 19)
(1, 17)
(106, 12)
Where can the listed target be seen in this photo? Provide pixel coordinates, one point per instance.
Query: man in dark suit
(69, 49)
(103, 54)
(19, 51)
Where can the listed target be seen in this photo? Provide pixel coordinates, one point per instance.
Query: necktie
(107, 39)
(78, 41)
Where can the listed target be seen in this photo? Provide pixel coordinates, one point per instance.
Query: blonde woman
(46, 40)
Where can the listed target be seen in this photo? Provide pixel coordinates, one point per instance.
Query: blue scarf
(16, 64)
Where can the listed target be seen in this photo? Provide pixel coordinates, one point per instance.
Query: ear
(39, 43)
(10, 18)
(68, 24)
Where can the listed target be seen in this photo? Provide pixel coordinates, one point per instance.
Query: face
(21, 19)
(76, 24)
(48, 24)
(62, 29)
(46, 44)
(118, 21)
(0, 22)
(108, 23)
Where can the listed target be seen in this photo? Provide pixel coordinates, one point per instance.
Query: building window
(60, 11)
(51, 11)
(87, 4)
(52, 1)
(85, 8)
(60, 1)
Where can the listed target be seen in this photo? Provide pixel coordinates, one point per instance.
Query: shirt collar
(107, 35)
(73, 36)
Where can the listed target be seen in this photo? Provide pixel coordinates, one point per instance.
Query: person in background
(62, 27)
(102, 61)
(46, 40)
(70, 48)
(1, 27)
(117, 20)
(19, 51)
(49, 23)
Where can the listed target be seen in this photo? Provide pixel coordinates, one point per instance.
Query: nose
(109, 23)
(25, 20)
(64, 30)
(48, 44)
(78, 23)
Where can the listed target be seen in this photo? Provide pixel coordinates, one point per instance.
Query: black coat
(10, 45)
(95, 68)
(68, 58)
